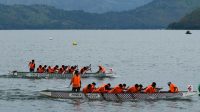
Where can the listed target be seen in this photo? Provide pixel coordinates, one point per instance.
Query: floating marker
(50, 38)
(74, 43)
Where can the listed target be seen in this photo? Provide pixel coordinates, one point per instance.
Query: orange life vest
(103, 69)
(133, 90)
(61, 70)
(173, 88)
(40, 70)
(86, 90)
(101, 89)
(50, 70)
(116, 90)
(32, 65)
(150, 89)
(76, 81)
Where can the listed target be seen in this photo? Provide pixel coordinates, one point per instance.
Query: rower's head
(124, 85)
(141, 86)
(94, 83)
(153, 84)
(49, 66)
(107, 87)
(89, 86)
(57, 66)
(40, 66)
(63, 66)
(76, 72)
(169, 83)
(120, 85)
(33, 61)
(109, 84)
(45, 66)
(136, 85)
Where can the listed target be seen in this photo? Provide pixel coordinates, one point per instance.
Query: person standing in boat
(76, 82)
(31, 66)
(172, 88)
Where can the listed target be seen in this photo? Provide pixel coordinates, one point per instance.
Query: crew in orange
(133, 89)
(32, 66)
(60, 71)
(101, 69)
(151, 88)
(118, 89)
(76, 82)
(40, 69)
(105, 88)
(50, 70)
(55, 68)
(87, 89)
(172, 88)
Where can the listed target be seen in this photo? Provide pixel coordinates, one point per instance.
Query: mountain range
(190, 21)
(93, 6)
(157, 14)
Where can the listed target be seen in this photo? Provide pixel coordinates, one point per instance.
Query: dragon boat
(36, 75)
(116, 97)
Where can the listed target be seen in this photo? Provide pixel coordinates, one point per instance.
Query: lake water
(137, 56)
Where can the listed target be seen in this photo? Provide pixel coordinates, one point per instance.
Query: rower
(151, 88)
(76, 82)
(60, 71)
(44, 68)
(50, 70)
(141, 88)
(55, 69)
(101, 69)
(40, 69)
(93, 86)
(83, 70)
(118, 89)
(105, 88)
(87, 89)
(172, 88)
(134, 89)
(32, 66)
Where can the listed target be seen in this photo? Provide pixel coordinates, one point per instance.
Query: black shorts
(75, 89)
(31, 70)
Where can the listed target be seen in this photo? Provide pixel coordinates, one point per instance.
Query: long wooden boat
(35, 75)
(115, 97)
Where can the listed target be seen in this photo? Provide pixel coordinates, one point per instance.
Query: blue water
(137, 56)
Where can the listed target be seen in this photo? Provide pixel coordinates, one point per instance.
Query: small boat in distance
(188, 32)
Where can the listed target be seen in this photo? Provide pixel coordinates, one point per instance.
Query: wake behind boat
(116, 97)
(36, 75)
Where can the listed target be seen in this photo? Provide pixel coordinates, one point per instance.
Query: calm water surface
(136, 56)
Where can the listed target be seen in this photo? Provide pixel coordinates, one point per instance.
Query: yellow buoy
(74, 43)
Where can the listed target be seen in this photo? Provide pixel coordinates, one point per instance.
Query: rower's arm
(71, 81)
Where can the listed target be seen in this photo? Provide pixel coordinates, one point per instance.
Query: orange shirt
(173, 88)
(32, 65)
(101, 89)
(40, 70)
(150, 89)
(76, 81)
(86, 90)
(116, 90)
(132, 90)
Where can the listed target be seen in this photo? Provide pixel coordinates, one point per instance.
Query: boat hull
(114, 97)
(35, 75)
